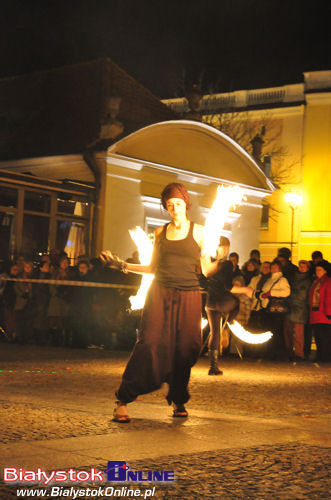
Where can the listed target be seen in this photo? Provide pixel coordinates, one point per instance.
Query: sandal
(121, 418)
(180, 411)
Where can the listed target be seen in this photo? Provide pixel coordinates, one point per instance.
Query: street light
(294, 200)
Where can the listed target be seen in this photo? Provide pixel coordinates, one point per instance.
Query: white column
(124, 211)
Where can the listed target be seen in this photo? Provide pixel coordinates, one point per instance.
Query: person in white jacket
(275, 286)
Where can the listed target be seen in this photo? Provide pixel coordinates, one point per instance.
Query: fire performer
(221, 303)
(169, 337)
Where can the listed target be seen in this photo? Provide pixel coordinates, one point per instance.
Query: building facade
(292, 125)
(86, 151)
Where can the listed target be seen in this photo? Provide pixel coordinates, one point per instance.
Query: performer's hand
(266, 295)
(107, 257)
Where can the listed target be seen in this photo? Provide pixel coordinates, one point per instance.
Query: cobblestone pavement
(54, 392)
(268, 472)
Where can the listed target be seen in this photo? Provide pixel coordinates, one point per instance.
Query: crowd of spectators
(293, 302)
(66, 315)
(81, 316)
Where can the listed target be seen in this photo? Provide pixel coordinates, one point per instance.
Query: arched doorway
(201, 157)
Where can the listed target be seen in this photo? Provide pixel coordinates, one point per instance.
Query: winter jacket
(279, 289)
(323, 314)
(257, 283)
(299, 299)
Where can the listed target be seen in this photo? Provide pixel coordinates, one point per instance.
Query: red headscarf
(175, 190)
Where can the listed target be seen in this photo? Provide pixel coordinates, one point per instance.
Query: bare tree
(243, 127)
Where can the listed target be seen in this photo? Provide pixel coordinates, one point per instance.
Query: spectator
(254, 254)
(20, 263)
(317, 258)
(39, 303)
(234, 259)
(294, 324)
(23, 312)
(55, 261)
(251, 270)
(257, 284)
(320, 312)
(58, 309)
(95, 267)
(45, 258)
(81, 307)
(96, 274)
(245, 303)
(276, 286)
(288, 269)
(9, 300)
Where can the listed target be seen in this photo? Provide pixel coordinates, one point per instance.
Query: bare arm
(243, 289)
(208, 267)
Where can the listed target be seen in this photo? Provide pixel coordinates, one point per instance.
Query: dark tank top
(178, 261)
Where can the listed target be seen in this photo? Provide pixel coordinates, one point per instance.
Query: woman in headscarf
(169, 337)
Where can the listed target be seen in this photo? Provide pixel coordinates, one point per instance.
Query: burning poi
(227, 198)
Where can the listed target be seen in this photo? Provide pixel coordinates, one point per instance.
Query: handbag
(277, 304)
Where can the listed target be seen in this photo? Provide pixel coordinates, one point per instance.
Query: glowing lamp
(293, 199)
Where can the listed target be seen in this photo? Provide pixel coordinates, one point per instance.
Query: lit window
(265, 216)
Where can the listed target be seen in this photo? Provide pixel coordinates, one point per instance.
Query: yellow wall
(306, 138)
(303, 133)
(316, 212)
(283, 139)
(288, 172)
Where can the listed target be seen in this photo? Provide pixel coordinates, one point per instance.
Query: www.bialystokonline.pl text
(73, 493)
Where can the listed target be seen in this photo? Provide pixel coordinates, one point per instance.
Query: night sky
(226, 44)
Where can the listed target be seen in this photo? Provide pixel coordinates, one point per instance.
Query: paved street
(259, 431)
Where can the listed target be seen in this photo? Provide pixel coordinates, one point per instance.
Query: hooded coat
(299, 299)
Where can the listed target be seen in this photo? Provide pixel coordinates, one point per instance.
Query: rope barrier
(72, 283)
(69, 283)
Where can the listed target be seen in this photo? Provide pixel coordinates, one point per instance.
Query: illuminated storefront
(37, 216)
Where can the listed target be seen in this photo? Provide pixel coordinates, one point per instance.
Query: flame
(226, 197)
(145, 248)
(250, 338)
(204, 323)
